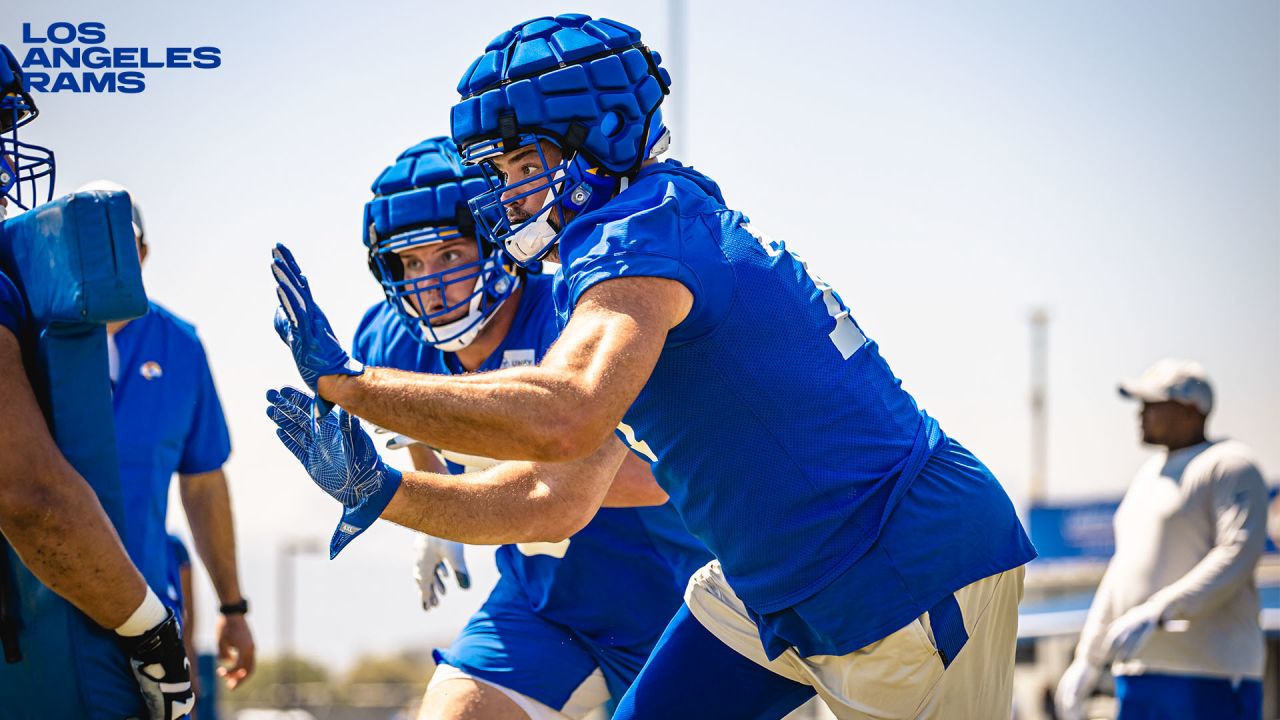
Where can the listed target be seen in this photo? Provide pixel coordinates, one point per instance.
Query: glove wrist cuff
(356, 520)
(150, 613)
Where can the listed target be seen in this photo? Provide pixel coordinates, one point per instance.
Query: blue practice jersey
(619, 579)
(779, 431)
(168, 420)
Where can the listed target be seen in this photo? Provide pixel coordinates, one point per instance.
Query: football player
(570, 623)
(48, 513)
(862, 554)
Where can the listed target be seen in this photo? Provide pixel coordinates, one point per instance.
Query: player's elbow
(557, 527)
(28, 495)
(555, 520)
(571, 437)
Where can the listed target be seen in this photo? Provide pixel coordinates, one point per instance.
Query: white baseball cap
(139, 230)
(1182, 381)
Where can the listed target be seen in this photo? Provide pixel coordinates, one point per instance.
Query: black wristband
(235, 608)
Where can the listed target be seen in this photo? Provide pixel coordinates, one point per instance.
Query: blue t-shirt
(617, 580)
(168, 420)
(781, 434)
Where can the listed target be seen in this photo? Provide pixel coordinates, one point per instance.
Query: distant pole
(1039, 405)
(285, 611)
(676, 60)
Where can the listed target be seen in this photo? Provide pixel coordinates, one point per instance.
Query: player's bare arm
(50, 515)
(207, 502)
(560, 410)
(511, 502)
(633, 485)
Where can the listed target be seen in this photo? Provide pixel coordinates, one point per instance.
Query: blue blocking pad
(75, 260)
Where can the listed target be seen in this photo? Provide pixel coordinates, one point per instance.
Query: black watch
(235, 608)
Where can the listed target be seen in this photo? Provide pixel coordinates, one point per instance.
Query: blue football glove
(305, 329)
(339, 456)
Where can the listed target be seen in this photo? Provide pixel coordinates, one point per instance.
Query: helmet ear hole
(611, 124)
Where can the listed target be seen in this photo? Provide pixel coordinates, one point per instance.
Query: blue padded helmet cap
(427, 185)
(588, 85)
(17, 108)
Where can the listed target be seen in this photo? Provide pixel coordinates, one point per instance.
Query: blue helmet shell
(589, 85)
(419, 200)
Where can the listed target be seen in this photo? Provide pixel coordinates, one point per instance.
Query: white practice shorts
(901, 675)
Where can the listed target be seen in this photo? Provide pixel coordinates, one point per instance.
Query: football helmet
(420, 200)
(26, 170)
(587, 86)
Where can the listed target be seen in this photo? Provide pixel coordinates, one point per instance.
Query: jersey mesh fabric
(641, 554)
(782, 455)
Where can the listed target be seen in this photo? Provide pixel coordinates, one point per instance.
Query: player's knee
(468, 699)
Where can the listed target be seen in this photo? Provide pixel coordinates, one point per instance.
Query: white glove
(1076, 685)
(1128, 633)
(436, 558)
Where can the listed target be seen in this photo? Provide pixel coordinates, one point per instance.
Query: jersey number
(845, 335)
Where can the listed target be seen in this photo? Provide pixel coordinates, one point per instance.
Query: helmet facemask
(26, 170)
(572, 187)
(488, 281)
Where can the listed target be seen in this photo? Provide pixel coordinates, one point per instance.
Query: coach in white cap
(1176, 614)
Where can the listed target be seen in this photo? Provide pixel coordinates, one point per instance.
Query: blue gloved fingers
(283, 321)
(292, 428)
(299, 433)
(290, 292)
(294, 404)
(297, 398)
(285, 255)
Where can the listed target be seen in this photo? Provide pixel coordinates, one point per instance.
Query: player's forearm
(50, 514)
(58, 529)
(528, 413)
(511, 502)
(207, 502)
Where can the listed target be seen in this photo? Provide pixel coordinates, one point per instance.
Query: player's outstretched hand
(158, 659)
(339, 456)
(436, 557)
(305, 329)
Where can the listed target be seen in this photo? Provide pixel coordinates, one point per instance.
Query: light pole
(1038, 489)
(289, 549)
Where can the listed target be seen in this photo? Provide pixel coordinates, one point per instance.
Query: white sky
(946, 168)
